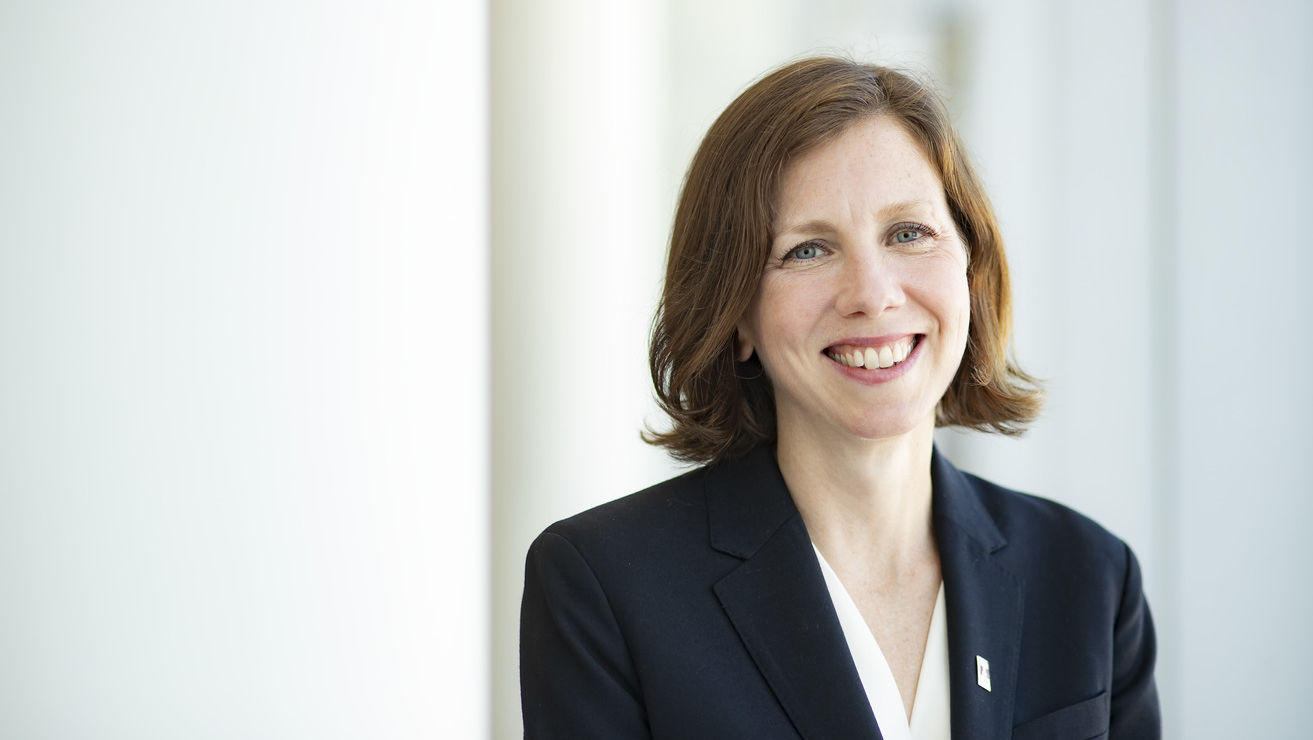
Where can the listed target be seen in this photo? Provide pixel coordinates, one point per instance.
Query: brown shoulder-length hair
(721, 240)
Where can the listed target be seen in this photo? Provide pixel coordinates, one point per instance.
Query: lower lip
(875, 376)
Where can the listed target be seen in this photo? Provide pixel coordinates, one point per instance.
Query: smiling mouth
(871, 358)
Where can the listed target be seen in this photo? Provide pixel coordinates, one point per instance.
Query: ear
(743, 346)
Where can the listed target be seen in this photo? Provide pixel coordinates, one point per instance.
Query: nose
(869, 284)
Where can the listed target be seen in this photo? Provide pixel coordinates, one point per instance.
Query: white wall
(1240, 450)
(1149, 166)
(243, 425)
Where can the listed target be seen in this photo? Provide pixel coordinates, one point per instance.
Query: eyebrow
(821, 226)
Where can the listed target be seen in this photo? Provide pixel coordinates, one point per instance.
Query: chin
(887, 427)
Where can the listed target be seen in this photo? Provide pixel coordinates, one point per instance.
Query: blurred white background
(314, 314)
(243, 393)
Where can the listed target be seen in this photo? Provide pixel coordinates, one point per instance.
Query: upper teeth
(873, 357)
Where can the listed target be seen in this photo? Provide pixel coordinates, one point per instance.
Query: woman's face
(861, 317)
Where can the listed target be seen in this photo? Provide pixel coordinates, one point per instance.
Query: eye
(804, 251)
(907, 233)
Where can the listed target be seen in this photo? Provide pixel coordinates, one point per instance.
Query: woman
(836, 288)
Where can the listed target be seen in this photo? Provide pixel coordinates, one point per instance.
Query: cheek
(947, 297)
(769, 316)
(946, 292)
(781, 336)
(771, 331)
(963, 299)
(963, 321)
(963, 313)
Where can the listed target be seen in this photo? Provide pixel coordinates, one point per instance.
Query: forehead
(870, 165)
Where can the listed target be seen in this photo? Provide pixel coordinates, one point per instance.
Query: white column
(579, 232)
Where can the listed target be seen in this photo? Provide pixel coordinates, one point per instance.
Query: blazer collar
(781, 608)
(984, 604)
(957, 504)
(778, 602)
(747, 502)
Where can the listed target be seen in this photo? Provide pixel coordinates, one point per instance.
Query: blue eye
(806, 251)
(911, 231)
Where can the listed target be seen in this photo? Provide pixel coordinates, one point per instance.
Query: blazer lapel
(984, 603)
(778, 602)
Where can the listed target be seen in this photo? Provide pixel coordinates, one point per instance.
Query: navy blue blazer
(697, 609)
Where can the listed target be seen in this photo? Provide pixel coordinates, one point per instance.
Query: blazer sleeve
(577, 680)
(1135, 713)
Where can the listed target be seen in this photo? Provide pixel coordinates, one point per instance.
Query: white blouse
(930, 708)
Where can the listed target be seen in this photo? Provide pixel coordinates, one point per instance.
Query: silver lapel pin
(982, 673)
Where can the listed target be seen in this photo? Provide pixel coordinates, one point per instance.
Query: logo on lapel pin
(982, 673)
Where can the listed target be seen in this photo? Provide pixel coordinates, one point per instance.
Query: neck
(863, 498)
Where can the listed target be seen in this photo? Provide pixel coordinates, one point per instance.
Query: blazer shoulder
(1035, 524)
(671, 511)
